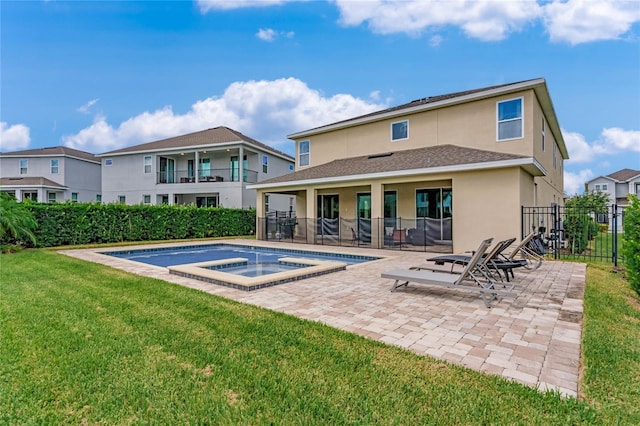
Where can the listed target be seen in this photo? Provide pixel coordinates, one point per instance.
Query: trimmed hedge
(631, 242)
(85, 223)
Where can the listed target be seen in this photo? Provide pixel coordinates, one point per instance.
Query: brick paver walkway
(532, 338)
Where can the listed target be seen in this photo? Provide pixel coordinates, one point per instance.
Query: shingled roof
(433, 157)
(624, 175)
(29, 181)
(52, 152)
(215, 136)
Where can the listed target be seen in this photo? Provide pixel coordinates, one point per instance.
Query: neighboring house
(617, 186)
(50, 175)
(207, 168)
(439, 173)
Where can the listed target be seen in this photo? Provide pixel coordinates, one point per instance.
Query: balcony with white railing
(206, 176)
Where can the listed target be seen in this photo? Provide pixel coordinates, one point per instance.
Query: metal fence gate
(580, 233)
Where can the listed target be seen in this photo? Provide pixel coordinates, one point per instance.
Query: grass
(611, 345)
(84, 343)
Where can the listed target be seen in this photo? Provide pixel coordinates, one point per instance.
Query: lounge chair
(494, 260)
(473, 277)
(523, 251)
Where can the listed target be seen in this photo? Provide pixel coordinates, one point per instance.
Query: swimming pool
(242, 266)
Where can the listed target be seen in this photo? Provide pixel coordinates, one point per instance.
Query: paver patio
(532, 338)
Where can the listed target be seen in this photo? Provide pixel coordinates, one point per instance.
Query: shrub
(631, 242)
(85, 223)
(16, 223)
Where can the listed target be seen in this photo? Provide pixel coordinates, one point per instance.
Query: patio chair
(473, 277)
(524, 252)
(494, 260)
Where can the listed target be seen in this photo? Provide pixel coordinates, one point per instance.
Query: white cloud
(582, 21)
(571, 21)
(264, 110)
(208, 5)
(611, 141)
(13, 137)
(574, 182)
(266, 34)
(436, 40)
(482, 19)
(616, 139)
(86, 107)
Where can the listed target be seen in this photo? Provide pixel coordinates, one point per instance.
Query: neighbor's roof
(216, 136)
(29, 181)
(624, 175)
(54, 151)
(539, 85)
(434, 159)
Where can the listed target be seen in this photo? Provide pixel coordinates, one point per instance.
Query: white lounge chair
(473, 277)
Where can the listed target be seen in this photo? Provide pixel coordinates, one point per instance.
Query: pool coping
(199, 271)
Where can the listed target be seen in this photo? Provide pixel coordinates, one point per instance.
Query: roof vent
(384, 154)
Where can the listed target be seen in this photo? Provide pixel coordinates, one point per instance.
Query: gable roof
(54, 151)
(29, 181)
(624, 175)
(433, 159)
(620, 176)
(539, 86)
(216, 136)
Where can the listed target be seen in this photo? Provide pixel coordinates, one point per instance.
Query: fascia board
(525, 162)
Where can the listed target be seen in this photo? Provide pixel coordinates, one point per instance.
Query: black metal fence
(579, 233)
(421, 234)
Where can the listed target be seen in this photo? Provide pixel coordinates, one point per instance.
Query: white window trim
(57, 166)
(265, 163)
(144, 201)
(144, 164)
(605, 187)
(308, 153)
(108, 162)
(391, 130)
(512, 119)
(26, 167)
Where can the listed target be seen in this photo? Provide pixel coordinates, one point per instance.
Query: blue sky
(102, 75)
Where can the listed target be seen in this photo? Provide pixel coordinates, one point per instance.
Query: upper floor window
(303, 153)
(24, 165)
(265, 163)
(510, 119)
(291, 167)
(400, 130)
(601, 187)
(543, 134)
(54, 167)
(108, 162)
(147, 164)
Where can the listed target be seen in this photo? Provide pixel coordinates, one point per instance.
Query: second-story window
(54, 167)
(303, 153)
(509, 119)
(265, 163)
(147, 164)
(24, 165)
(400, 130)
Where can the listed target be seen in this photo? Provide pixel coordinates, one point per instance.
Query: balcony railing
(205, 176)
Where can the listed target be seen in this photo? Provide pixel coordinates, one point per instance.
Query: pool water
(203, 253)
(257, 269)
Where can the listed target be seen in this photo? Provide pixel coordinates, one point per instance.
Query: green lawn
(83, 343)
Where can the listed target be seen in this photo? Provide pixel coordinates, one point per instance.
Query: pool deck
(532, 338)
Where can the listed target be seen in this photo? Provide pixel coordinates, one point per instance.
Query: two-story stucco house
(208, 168)
(437, 173)
(51, 175)
(617, 186)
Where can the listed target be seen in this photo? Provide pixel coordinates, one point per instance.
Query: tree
(16, 220)
(631, 242)
(579, 225)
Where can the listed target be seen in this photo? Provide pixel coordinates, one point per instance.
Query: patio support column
(261, 218)
(196, 166)
(377, 212)
(311, 215)
(241, 164)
